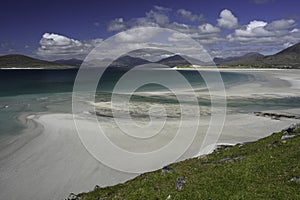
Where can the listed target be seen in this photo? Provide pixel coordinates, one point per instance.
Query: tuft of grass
(258, 170)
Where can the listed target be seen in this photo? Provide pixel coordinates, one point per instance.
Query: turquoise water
(36, 91)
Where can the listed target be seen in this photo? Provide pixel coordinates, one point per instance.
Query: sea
(34, 91)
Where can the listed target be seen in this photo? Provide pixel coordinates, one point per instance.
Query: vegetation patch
(266, 169)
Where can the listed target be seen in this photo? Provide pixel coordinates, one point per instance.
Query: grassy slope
(263, 173)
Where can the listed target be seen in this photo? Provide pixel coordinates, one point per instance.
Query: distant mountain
(97, 62)
(249, 57)
(173, 61)
(180, 60)
(71, 62)
(21, 61)
(123, 61)
(295, 49)
(128, 61)
(152, 55)
(287, 58)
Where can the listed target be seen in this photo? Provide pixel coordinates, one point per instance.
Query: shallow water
(47, 160)
(35, 91)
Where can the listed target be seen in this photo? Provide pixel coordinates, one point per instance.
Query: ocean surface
(37, 91)
(42, 156)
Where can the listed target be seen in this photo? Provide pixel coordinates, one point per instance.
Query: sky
(63, 29)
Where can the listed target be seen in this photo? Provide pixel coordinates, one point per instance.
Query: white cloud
(227, 19)
(208, 29)
(183, 28)
(55, 46)
(254, 28)
(281, 24)
(157, 16)
(58, 40)
(287, 44)
(117, 24)
(162, 9)
(257, 35)
(176, 37)
(266, 37)
(256, 24)
(260, 32)
(188, 15)
(204, 34)
(139, 35)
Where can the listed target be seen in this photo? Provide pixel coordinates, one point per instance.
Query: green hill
(287, 58)
(21, 61)
(266, 169)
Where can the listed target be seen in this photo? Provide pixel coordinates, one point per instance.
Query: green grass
(264, 172)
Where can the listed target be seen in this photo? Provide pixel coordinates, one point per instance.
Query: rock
(295, 179)
(230, 160)
(167, 169)
(207, 163)
(96, 187)
(222, 147)
(239, 158)
(292, 128)
(284, 137)
(169, 197)
(179, 183)
(72, 196)
(275, 117)
(274, 144)
(226, 160)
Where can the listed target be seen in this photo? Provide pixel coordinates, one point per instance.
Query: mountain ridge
(22, 61)
(286, 58)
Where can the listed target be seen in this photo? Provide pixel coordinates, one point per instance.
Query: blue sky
(66, 29)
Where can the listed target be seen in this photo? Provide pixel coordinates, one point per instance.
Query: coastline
(230, 172)
(216, 68)
(57, 160)
(50, 162)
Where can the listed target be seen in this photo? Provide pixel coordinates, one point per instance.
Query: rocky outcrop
(73, 196)
(179, 183)
(166, 169)
(290, 132)
(276, 116)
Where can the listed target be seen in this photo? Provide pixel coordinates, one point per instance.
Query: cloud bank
(225, 37)
(58, 46)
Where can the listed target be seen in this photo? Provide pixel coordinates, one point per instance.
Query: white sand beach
(48, 160)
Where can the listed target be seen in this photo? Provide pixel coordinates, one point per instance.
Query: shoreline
(53, 163)
(216, 68)
(270, 162)
(57, 160)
